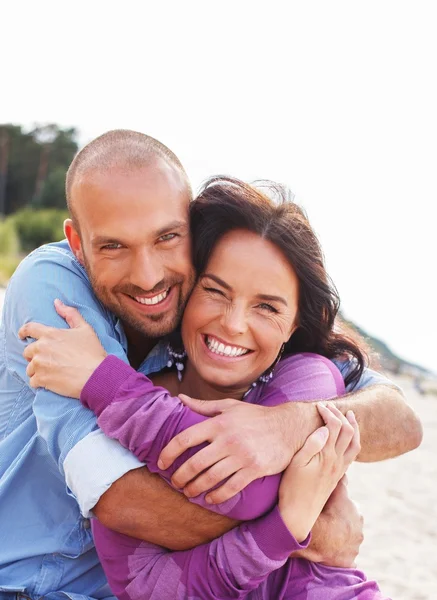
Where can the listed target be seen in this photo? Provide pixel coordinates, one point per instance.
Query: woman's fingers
(34, 330)
(313, 445)
(333, 423)
(30, 370)
(30, 351)
(354, 447)
(346, 431)
(70, 314)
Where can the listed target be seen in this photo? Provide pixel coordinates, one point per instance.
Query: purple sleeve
(144, 418)
(226, 568)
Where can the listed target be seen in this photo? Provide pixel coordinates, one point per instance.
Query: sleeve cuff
(103, 385)
(92, 466)
(273, 538)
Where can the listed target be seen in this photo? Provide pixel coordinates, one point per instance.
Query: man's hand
(247, 441)
(338, 532)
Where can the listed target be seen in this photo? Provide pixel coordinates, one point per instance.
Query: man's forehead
(156, 173)
(146, 192)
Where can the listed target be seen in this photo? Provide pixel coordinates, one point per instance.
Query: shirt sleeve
(368, 378)
(47, 274)
(229, 567)
(144, 418)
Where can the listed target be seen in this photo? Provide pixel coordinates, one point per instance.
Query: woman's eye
(213, 291)
(267, 307)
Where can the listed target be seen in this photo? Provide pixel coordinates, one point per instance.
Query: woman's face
(242, 309)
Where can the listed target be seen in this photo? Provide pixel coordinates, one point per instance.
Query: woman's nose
(234, 320)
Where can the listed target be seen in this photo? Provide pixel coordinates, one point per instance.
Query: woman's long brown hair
(225, 204)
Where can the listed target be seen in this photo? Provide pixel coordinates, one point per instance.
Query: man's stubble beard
(161, 325)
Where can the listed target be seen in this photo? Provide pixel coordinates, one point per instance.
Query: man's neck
(138, 346)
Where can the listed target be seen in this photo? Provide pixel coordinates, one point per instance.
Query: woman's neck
(194, 386)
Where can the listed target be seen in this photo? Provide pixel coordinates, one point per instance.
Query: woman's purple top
(251, 561)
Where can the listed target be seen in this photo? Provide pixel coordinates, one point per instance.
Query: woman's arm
(242, 559)
(227, 568)
(144, 418)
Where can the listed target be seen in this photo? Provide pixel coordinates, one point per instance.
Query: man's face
(135, 244)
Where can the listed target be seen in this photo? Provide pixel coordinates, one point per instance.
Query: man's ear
(73, 239)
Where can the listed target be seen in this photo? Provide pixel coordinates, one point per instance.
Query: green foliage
(53, 191)
(8, 264)
(39, 227)
(31, 163)
(9, 242)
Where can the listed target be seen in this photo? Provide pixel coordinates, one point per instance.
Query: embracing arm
(90, 461)
(388, 425)
(227, 568)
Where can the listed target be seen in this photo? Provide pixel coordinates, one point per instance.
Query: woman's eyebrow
(272, 298)
(217, 280)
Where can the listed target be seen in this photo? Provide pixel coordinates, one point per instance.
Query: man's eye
(111, 247)
(167, 237)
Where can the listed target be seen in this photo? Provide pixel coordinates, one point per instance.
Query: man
(127, 267)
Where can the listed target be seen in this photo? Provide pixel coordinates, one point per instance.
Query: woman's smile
(218, 348)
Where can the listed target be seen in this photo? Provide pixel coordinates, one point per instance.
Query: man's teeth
(154, 300)
(219, 348)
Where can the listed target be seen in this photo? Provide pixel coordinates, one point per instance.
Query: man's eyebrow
(105, 239)
(171, 226)
(217, 280)
(270, 298)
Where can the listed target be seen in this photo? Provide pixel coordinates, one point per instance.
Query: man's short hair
(121, 149)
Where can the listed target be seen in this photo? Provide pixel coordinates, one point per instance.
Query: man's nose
(147, 270)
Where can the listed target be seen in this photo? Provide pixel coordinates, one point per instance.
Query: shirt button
(86, 523)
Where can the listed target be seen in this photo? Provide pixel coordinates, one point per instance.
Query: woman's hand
(316, 469)
(62, 360)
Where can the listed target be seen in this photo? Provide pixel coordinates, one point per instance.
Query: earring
(176, 358)
(267, 375)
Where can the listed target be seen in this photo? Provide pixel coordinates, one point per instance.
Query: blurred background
(337, 100)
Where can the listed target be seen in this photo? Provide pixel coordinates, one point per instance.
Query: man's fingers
(70, 314)
(232, 486)
(313, 445)
(33, 330)
(193, 436)
(197, 464)
(212, 477)
(208, 408)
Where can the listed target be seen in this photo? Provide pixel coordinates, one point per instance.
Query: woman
(262, 292)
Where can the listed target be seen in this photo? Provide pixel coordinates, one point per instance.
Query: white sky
(336, 99)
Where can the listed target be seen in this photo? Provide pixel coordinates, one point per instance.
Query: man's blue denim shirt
(54, 461)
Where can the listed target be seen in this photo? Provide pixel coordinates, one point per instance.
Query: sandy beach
(398, 499)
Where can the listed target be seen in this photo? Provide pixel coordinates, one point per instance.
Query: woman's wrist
(297, 519)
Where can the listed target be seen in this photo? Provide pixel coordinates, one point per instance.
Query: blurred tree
(32, 160)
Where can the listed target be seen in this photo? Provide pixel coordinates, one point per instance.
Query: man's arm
(89, 460)
(143, 505)
(262, 440)
(388, 425)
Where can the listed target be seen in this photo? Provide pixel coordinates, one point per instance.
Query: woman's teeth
(153, 300)
(218, 348)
